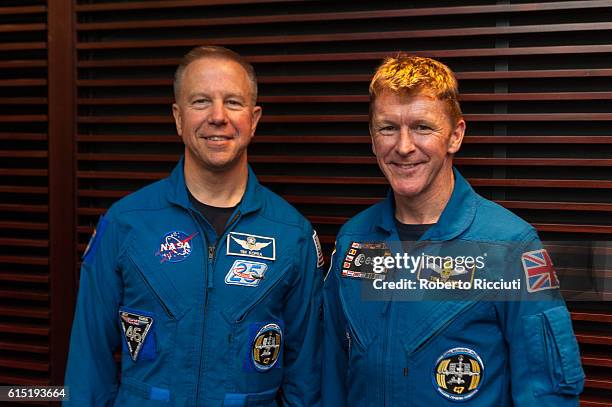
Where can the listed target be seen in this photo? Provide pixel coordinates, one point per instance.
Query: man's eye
(422, 128)
(386, 129)
(232, 102)
(200, 101)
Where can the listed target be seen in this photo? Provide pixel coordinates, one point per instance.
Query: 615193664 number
(38, 393)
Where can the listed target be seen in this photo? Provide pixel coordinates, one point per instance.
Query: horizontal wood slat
(288, 159)
(341, 37)
(323, 139)
(349, 15)
(486, 97)
(148, 5)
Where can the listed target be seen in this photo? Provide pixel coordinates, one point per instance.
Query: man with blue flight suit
(209, 282)
(379, 351)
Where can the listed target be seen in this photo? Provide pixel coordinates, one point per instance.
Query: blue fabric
(92, 247)
(201, 322)
(159, 394)
(385, 352)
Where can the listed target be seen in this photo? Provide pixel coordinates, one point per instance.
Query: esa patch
(175, 246)
(94, 241)
(246, 245)
(317, 244)
(458, 374)
(539, 271)
(136, 326)
(246, 273)
(358, 260)
(265, 347)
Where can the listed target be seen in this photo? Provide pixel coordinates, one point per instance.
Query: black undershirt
(410, 232)
(216, 216)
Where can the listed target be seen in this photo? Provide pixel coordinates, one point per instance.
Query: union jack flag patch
(539, 271)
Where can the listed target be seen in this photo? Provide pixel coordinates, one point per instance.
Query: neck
(427, 208)
(223, 189)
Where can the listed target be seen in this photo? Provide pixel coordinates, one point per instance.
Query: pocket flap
(240, 308)
(561, 326)
(162, 288)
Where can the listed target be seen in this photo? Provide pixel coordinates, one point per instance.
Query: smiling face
(414, 138)
(215, 114)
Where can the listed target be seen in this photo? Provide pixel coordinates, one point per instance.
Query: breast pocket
(256, 338)
(363, 320)
(149, 319)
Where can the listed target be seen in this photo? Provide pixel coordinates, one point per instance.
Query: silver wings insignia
(250, 245)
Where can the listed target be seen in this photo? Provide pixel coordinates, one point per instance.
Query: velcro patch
(94, 241)
(246, 273)
(265, 346)
(317, 244)
(539, 271)
(246, 245)
(136, 327)
(358, 260)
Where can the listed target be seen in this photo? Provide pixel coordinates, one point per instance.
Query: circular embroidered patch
(458, 374)
(175, 246)
(266, 347)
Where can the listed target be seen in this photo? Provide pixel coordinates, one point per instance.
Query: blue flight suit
(446, 353)
(203, 320)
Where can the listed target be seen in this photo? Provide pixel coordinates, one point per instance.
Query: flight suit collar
(178, 194)
(456, 217)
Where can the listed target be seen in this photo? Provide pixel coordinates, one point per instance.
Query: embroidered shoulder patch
(94, 241)
(136, 327)
(539, 271)
(317, 244)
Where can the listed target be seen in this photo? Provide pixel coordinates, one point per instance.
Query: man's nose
(218, 115)
(405, 144)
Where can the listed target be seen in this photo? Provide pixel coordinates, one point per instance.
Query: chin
(407, 191)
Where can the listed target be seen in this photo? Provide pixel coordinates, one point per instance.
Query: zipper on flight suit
(211, 264)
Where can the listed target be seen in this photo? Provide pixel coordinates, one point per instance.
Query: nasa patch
(247, 245)
(458, 374)
(359, 260)
(265, 347)
(175, 246)
(246, 273)
(136, 326)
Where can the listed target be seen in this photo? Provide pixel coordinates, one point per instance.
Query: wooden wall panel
(536, 87)
(24, 186)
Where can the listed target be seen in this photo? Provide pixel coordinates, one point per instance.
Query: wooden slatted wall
(535, 79)
(536, 88)
(24, 227)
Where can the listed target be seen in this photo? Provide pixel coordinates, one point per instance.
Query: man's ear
(456, 137)
(256, 116)
(372, 137)
(176, 112)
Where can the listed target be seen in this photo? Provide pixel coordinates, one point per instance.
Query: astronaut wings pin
(244, 244)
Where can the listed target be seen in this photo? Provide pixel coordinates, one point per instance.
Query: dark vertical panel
(62, 252)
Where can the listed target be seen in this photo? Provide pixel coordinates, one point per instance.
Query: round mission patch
(458, 374)
(266, 347)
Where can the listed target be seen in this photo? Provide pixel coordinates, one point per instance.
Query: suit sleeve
(303, 329)
(335, 349)
(91, 372)
(544, 356)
